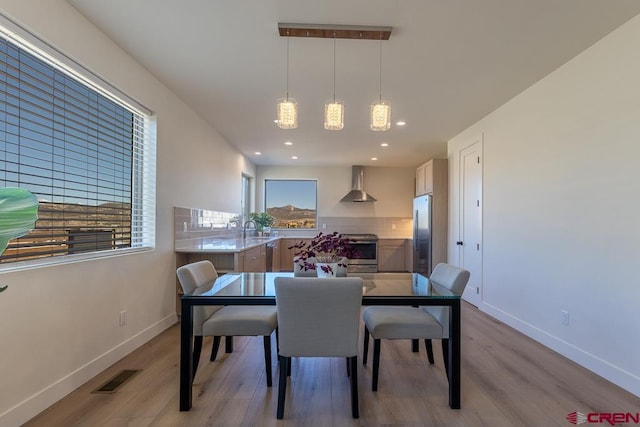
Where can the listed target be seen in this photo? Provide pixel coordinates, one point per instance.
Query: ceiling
(447, 64)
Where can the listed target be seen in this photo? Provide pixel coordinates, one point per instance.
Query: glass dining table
(410, 289)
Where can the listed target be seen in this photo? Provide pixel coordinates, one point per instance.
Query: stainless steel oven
(366, 259)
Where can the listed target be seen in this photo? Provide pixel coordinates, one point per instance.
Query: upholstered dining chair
(318, 317)
(227, 321)
(393, 323)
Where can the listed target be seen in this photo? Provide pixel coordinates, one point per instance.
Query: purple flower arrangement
(325, 248)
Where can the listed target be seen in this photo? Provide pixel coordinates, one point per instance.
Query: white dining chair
(318, 317)
(227, 321)
(413, 323)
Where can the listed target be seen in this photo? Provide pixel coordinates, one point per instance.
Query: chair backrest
(318, 317)
(452, 278)
(196, 274)
(191, 277)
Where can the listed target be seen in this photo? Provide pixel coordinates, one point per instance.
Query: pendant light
(334, 110)
(380, 112)
(287, 108)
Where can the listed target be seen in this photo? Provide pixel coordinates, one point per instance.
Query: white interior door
(470, 234)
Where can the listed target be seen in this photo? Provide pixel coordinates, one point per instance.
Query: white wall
(392, 187)
(561, 189)
(59, 325)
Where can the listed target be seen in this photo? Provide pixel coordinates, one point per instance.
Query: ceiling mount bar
(358, 32)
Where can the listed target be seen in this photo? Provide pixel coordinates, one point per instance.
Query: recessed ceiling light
(288, 143)
(257, 153)
(294, 157)
(384, 144)
(374, 158)
(401, 123)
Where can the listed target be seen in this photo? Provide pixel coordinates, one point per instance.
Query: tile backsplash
(384, 227)
(190, 223)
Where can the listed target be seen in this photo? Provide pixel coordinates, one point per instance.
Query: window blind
(89, 158)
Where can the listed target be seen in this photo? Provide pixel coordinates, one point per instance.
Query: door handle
(459, 243)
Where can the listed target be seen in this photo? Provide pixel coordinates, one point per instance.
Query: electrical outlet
(393, 226)
(324, 225)
(564, 317)
(123, 317)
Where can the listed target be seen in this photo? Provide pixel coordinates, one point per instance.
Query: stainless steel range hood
(357, 193)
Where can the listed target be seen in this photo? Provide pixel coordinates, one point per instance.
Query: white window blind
(84, 151)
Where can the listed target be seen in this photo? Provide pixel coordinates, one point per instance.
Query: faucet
(244, 227)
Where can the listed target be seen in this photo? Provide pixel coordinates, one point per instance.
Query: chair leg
(429, 347)
(365, 350)
(445, 355)
(415, 344)
(348, 366)
(355, 412)
(376, 364)
(197, 348)
(228, 344)
(282, 385)
(214, 348)
(288, 366)
(267, 357)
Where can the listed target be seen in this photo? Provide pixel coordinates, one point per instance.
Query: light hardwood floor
(507, 380)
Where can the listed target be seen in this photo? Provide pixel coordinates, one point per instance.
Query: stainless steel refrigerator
(422, 235)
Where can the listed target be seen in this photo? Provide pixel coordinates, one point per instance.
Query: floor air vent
(117, 381)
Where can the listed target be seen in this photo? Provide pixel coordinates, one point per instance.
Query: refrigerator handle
(415, 230)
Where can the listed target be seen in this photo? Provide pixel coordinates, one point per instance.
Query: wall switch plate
(393, 226)
(564, 317)
(123, 317)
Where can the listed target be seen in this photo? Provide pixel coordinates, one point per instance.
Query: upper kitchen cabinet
(431, 177)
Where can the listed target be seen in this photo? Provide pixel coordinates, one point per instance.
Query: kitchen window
(292, 202)
(85, 150)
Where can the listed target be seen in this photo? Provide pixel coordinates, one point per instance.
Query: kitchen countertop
(234, 245)
(221, 245)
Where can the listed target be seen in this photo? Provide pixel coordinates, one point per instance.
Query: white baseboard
(40, 401)
(619, 377)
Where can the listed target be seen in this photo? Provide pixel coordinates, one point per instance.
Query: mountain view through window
(292, 203)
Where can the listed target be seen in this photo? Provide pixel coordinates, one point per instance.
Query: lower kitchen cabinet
(286, 254)
(255, 259)
(392, 255)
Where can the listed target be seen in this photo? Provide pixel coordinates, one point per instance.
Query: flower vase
(326, 269)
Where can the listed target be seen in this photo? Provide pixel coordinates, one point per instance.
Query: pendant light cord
(380, 89)
(334, 66)
(287, 64)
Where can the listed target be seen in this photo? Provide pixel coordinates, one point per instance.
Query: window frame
(315, 181)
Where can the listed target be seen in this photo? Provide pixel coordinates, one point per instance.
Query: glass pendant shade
(334, 115)
(287, 113)
(380, 116)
